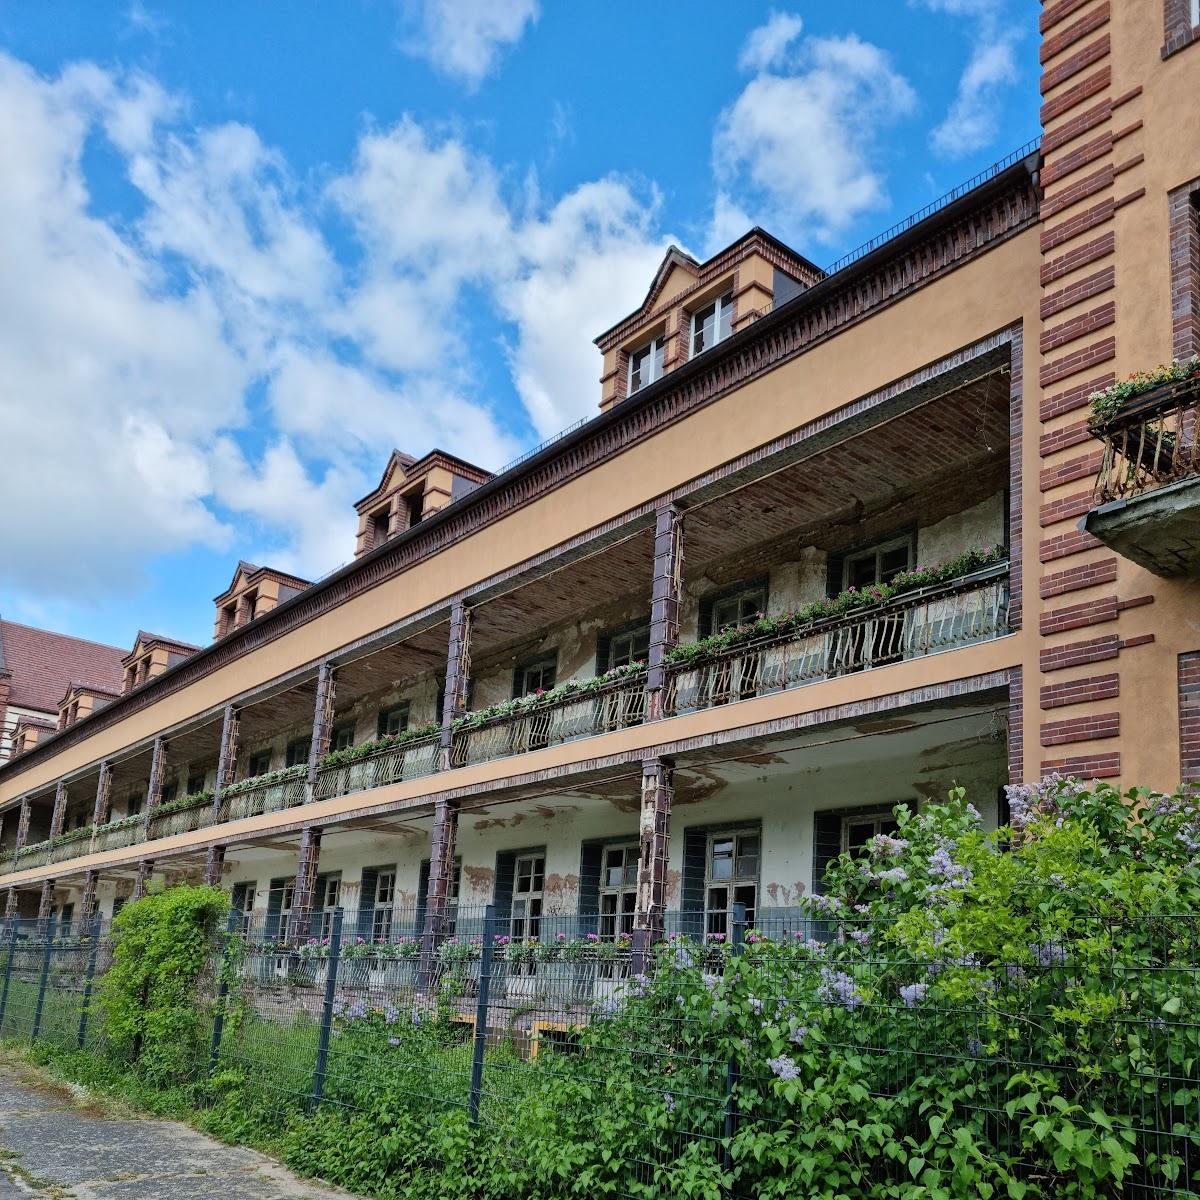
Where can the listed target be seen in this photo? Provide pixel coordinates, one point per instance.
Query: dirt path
(54, 1148)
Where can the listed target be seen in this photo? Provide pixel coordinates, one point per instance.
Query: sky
(248, 248)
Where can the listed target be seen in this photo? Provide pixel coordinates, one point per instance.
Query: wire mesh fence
(714, 1052)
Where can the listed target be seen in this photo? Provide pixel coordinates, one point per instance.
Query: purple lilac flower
(883, 845)
(391, 1014)
(339, 1006)
(838, 988)
(974, 814)
(685, 960)
(861, 936)
(1015, 973)
(681, 1001)
(893, 875)
(974, 1047)
(711, 982)
(756, 1006)
(825, 904)
(784, 1068)
(913, 993)
(669, 1102)
(639, 985)
(356, 1011)
(942, 866)
(1049, 954)
(393, 1041)
(798, 1035)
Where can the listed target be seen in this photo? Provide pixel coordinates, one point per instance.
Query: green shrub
(149, 996)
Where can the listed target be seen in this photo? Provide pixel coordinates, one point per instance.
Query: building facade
(836, 540)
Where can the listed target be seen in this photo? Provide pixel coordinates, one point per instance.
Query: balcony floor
(1159, 530)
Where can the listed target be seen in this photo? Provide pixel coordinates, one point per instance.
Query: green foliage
(257, 781)
(852, 600)
(1107, 404)
(392, 741)
(148, 996)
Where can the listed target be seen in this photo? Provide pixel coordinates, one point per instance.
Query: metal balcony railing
(116, 835)
(615, 706)
(186, 817)
(389, 764)
(251, 798)
(1151, 442)
(969, 610)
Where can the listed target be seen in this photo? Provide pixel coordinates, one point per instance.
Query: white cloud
(973, 118)
(796, 148)
(465, 38)
(766, 47)
(207, 372)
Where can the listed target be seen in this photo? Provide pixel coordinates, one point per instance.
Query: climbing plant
(153, 1008)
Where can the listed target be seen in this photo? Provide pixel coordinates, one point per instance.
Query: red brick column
(59, 813)
(214, 864)
(158, 768)
(458, 672)
(226, 756)
(142, 881)
(441, 870)
(1189, 717)
(23, 823)
(322, 720)
(664, 603)
(655, 839)
(87, 906)
(46, 902)
(304, 897)
(103, 795)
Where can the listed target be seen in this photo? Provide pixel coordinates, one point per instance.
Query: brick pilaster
(322, 719)
(458, 672)
(664, 603)
(23, 824)
(441, 871)
(158, 769)
(304, 896)
(1189, 717)
(655, 839)
(59, 813)
(46, 900)
(101, 808)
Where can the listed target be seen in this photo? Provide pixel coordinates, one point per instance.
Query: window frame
(292, 755)
(383, 719)
(193, 776)
(740, 592)
(877, 549)
(867, 816)
(656, 350)
(722, 308)
(258, 756)
(540, 663)
(608, 639)
(338, 731)
(618, 893)
(525, 925)
(717, 919)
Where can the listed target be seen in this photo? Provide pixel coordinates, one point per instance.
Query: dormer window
(712, 324)
(379, 527)
(228, 618)
(414, 505)
(645, 365)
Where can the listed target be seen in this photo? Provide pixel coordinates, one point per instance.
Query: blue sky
(247, 248)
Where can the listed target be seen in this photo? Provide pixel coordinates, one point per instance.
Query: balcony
(1148, 487)
(377, 764)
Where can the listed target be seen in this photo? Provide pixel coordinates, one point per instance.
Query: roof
(42, 664)
(145, 640)
(252, 572)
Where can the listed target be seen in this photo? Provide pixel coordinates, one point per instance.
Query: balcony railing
(390, 764)
(615, 706)
(194, 813)
(273, 793)
(1152, 441)
(28, 857)
(116, 835)
(972, 609)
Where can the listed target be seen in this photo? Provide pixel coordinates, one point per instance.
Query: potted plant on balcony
(357, 958)
(520, 968)
(458, 961)
(313, 963)
(399, 959)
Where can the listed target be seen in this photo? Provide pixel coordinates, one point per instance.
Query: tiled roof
(42, 664)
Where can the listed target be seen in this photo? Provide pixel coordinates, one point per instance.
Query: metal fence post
(222, 990)
(335, 946)
(88, 976)
(8, 970)
(733, 1071)
(41, 999)
(481, 1010)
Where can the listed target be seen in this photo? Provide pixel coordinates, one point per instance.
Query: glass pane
(718, 898)
(861, 572)
(859, 833)
(608, 902)
(702, 328)
(725, 327)
(893, 561)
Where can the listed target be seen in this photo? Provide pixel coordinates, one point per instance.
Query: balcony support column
(214, 865)
(59, 813)
(158, 769)
(46, 902)
(10, 905)
(441, 871)
(305, 894)
(664, 604)
(87, 906)
(458, 672)
(658, 791)
(226, 757)
(103, 803)
(23, 823)
(322, 720)
(141, 883)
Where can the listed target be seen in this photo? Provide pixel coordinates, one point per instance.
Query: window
(620, 648)
(251, 605)
(392, 721)
(297, 752)
(528, 879)
(195, 782)
(414, 507)
(535, 676)
(134, 805)
(379, 527)
(645, 365)
(731, 877)
(859, 828)
(618, 890)
(712, 324)
(329, 890)
(228, 618)
(880, 563)
(385, 897)
(342, 737)
(733, 607)
(65, 916)
(259, 763)
(80, 820)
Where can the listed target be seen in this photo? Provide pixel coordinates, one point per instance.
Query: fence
(689, 1049)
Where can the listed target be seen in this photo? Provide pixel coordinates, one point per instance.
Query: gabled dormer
(79, 700)
(27, 732)
(692, 306)
(253, 591)
(152, 655)
(411, 490)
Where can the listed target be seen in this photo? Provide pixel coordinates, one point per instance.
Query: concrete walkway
(54, 1147)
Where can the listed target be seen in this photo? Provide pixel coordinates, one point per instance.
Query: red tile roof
(42, 664)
